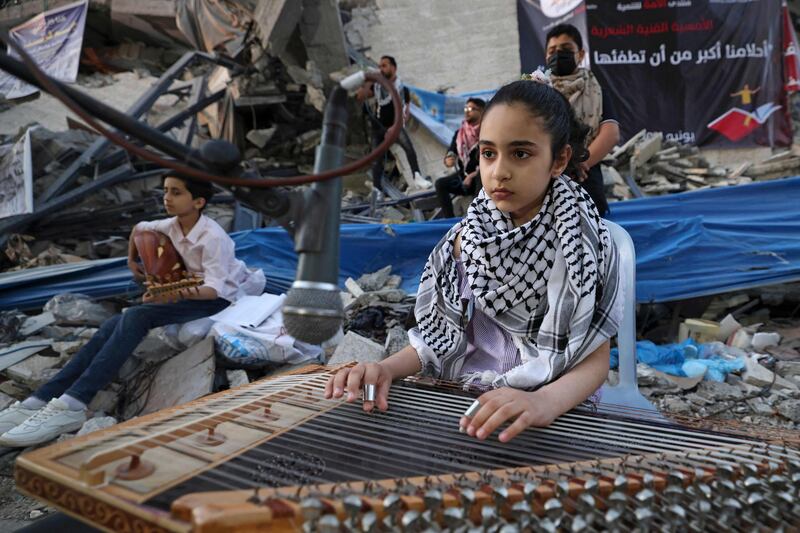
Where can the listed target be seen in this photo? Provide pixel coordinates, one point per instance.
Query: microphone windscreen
(312, 315)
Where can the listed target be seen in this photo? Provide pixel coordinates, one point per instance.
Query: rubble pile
(757, 329)
(649, 165)
(377, 312)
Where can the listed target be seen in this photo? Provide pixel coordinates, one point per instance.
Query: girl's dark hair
(549, 105)
(198, 189)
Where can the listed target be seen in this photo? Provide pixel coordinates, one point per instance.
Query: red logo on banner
(735, 124)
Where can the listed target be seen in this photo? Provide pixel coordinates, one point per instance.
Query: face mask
(562, 63)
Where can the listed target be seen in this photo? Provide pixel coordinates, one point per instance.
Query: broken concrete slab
(790, 409)
(5, 400)
(396, 340)
(185, 377)
(354, 347)
(19, 352)
(96, 424)
(376, 280)
(104, 401)
(34, 324)
(30, 372)
(756, 374)
(77, 309)
(237, 378)
(16, 390)
(353, 286)
(154, 347)
(718, 391)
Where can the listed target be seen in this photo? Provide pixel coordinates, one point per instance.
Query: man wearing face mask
(564, 52)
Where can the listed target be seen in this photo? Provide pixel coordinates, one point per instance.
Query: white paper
(250, 311)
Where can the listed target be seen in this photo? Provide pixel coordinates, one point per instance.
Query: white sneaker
(14, 415)
(45, 425)
(422, 182)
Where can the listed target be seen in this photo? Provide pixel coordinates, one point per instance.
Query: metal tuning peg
(500, 496)
(521, 512)
(370, 523)
(352, 506)
(391, 506)
(489, 517)
(554, 510)
(468, 498)
(411, 522)
(454, 518)
(311, 509)
(434, 500)
(329, 524)
(644, 519)
(529, 491)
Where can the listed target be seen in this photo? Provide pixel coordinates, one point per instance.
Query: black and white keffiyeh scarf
(552, 283)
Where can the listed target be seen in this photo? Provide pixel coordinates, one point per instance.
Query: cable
(190, 172)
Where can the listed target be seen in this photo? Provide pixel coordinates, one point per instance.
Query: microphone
(312, 311)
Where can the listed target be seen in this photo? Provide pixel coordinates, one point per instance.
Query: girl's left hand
(503, 404)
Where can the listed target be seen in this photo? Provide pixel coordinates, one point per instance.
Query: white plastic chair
(626, 393)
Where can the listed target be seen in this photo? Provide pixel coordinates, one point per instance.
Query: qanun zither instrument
(275, 455)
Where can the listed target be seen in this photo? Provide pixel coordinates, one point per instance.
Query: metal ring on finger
(369, 392)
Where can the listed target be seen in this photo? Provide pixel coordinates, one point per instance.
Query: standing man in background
(564, 52)
(382, 118)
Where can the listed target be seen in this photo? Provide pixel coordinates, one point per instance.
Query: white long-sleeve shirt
(208, 251)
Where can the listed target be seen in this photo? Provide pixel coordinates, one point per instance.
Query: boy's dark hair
(391, 60)
(479, 102)
(198, 189)
(565, 29)
(556, 114)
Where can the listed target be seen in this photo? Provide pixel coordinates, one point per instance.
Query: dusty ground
(16, 510)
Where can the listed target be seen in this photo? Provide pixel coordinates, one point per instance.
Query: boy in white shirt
(60, 405)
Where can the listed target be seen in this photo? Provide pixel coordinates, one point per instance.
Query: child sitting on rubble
(60, 405)
(522, 295)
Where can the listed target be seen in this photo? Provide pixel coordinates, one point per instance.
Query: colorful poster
(53, 39)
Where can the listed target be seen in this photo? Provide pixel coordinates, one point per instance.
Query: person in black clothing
(463, 155)
(382, 118)
(564, 51)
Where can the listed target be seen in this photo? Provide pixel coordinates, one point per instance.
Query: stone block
(237, 378)
(185, 377)
(396, 340)
(354, 347)
(96, 424)
(760, 376)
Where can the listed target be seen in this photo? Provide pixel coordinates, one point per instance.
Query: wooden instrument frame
(74, 490)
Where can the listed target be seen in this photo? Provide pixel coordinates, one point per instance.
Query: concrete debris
(650, 165)
(77, 309)
(396, 340)
(5, 400)
(31, 371)
(790, 409)
(760, 376)
(237, 378)
(185, 377)
(354, 347)
(96, 424)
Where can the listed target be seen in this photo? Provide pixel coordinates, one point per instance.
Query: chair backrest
(626, 392)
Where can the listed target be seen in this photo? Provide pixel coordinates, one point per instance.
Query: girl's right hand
(351, 381)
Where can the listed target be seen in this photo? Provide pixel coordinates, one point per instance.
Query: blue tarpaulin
(690, 244)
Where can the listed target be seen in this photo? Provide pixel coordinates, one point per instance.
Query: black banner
(536, 17)
(709, 72)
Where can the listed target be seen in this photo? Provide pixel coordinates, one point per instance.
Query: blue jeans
(99, 361)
